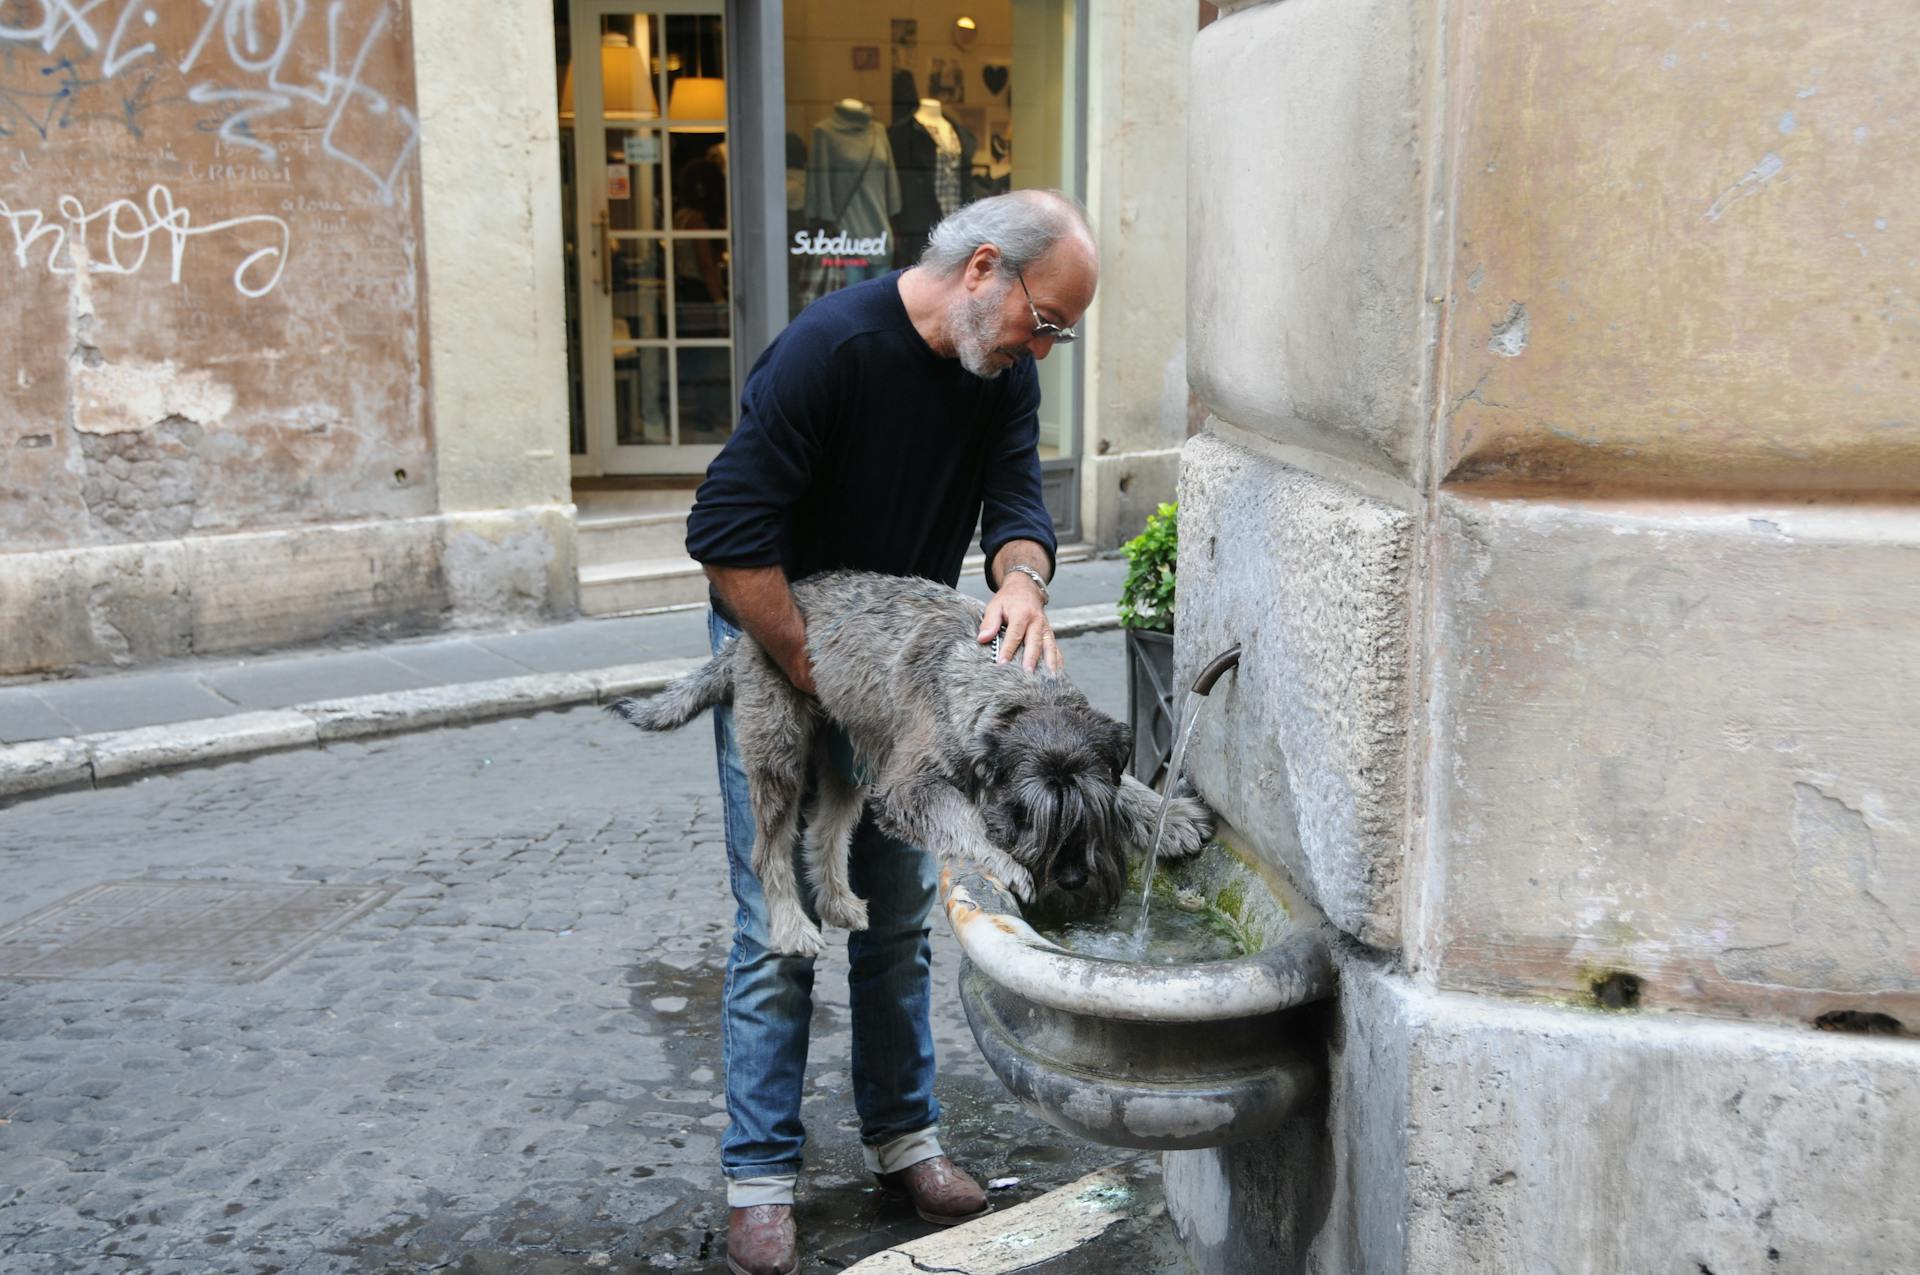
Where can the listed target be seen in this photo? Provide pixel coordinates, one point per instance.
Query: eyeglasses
(1053, 331)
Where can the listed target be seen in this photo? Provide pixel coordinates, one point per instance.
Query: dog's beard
(973, 322)
(1053, 811)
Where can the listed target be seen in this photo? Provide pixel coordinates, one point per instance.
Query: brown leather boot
(940, 1190)
(761, 1241)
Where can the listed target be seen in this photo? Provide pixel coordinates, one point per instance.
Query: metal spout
(1211, 673)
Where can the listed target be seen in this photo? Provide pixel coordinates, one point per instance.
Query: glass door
(643, 98)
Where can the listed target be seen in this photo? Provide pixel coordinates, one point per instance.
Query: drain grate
(176, 931)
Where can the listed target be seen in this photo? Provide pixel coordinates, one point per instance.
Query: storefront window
(893, 122)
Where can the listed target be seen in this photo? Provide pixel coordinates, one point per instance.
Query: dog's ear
(989, 752)
(1114, 742)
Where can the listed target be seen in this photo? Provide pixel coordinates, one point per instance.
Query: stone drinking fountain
(1146, 1055)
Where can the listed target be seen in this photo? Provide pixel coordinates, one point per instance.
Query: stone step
(609, 539)
(623, 588)
(674, 580)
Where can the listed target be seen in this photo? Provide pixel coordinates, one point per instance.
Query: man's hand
(1020, 606)
(760, 599)
(799, 671)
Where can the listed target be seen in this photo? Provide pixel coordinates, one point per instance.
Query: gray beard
(974, 322)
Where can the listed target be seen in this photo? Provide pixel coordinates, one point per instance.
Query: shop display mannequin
(852, 188)
(934, 154)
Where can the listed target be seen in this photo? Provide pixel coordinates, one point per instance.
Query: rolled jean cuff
(773, 1188)
(907, 1149)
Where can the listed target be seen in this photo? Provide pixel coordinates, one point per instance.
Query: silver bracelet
(1031, 574)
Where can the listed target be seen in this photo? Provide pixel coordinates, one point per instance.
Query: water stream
(1178, 936)
(1190, 711)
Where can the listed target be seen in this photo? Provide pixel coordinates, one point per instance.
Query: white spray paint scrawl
(126, 233)
(267, 43)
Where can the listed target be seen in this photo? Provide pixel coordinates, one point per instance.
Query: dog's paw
(794, 935)
(1009, 873)
(848, 911)
(1189, 824)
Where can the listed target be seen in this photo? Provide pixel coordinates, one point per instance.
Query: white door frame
(604, 454)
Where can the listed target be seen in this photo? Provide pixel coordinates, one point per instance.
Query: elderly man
(875, 432)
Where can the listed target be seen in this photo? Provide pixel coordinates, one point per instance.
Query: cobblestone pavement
(512, 1065)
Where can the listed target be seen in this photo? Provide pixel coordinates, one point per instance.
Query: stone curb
(120, 753)
(1021, 1237)
(48, 765)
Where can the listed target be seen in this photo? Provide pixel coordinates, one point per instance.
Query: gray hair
(1023, 224)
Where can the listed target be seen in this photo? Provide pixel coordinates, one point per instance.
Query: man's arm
(1020, 604)
(1016, 530)
(738, 525)
(763, 603)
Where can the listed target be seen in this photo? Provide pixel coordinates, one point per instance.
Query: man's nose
(1041, 346)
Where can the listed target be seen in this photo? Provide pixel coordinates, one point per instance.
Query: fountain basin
(1159, 1057)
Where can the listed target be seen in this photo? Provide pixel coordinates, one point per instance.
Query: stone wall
(1137, 408)
(215, 244)
(1560, 484)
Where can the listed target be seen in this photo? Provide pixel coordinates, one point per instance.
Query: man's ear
(982, 266)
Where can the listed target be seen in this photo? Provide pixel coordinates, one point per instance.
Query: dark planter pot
(1150, 706)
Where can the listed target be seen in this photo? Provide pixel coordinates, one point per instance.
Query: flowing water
(1190, 710)
(1175, 936)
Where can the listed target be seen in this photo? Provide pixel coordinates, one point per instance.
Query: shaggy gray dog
(984, 764)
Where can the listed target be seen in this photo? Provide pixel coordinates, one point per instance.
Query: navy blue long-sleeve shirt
(859, 447)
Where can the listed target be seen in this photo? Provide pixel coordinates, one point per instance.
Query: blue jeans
(768, 1002)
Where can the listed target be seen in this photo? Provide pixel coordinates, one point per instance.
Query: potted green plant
(1146, 614)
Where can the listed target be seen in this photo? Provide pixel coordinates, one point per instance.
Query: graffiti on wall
(207, 212)
(255, 64)
(125, 233)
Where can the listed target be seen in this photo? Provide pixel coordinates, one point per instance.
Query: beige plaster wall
(209, 254)
(1665, 624)
(221, 421)
(1606, 312)
(1676, 741)
(490, 176)
(1685, 250)
(1136, 404)
(1309, 145)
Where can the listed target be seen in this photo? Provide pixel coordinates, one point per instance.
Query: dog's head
(1048, 776)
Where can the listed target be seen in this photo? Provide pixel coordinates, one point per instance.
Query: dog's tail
(682, 701)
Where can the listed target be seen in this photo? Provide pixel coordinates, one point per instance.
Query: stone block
(329, 581)
(494, 254)
(1135, 375)
(1676, 742)
(1304, 747)
(1308, 159)
(123, 753)
(105, 606)
(1120, 491)
(1475, 1135)
(1679, 259)
(364, 715)
(511, 565)
(643, 679)
(44, 765)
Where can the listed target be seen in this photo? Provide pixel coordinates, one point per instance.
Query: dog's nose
(1071, 877)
